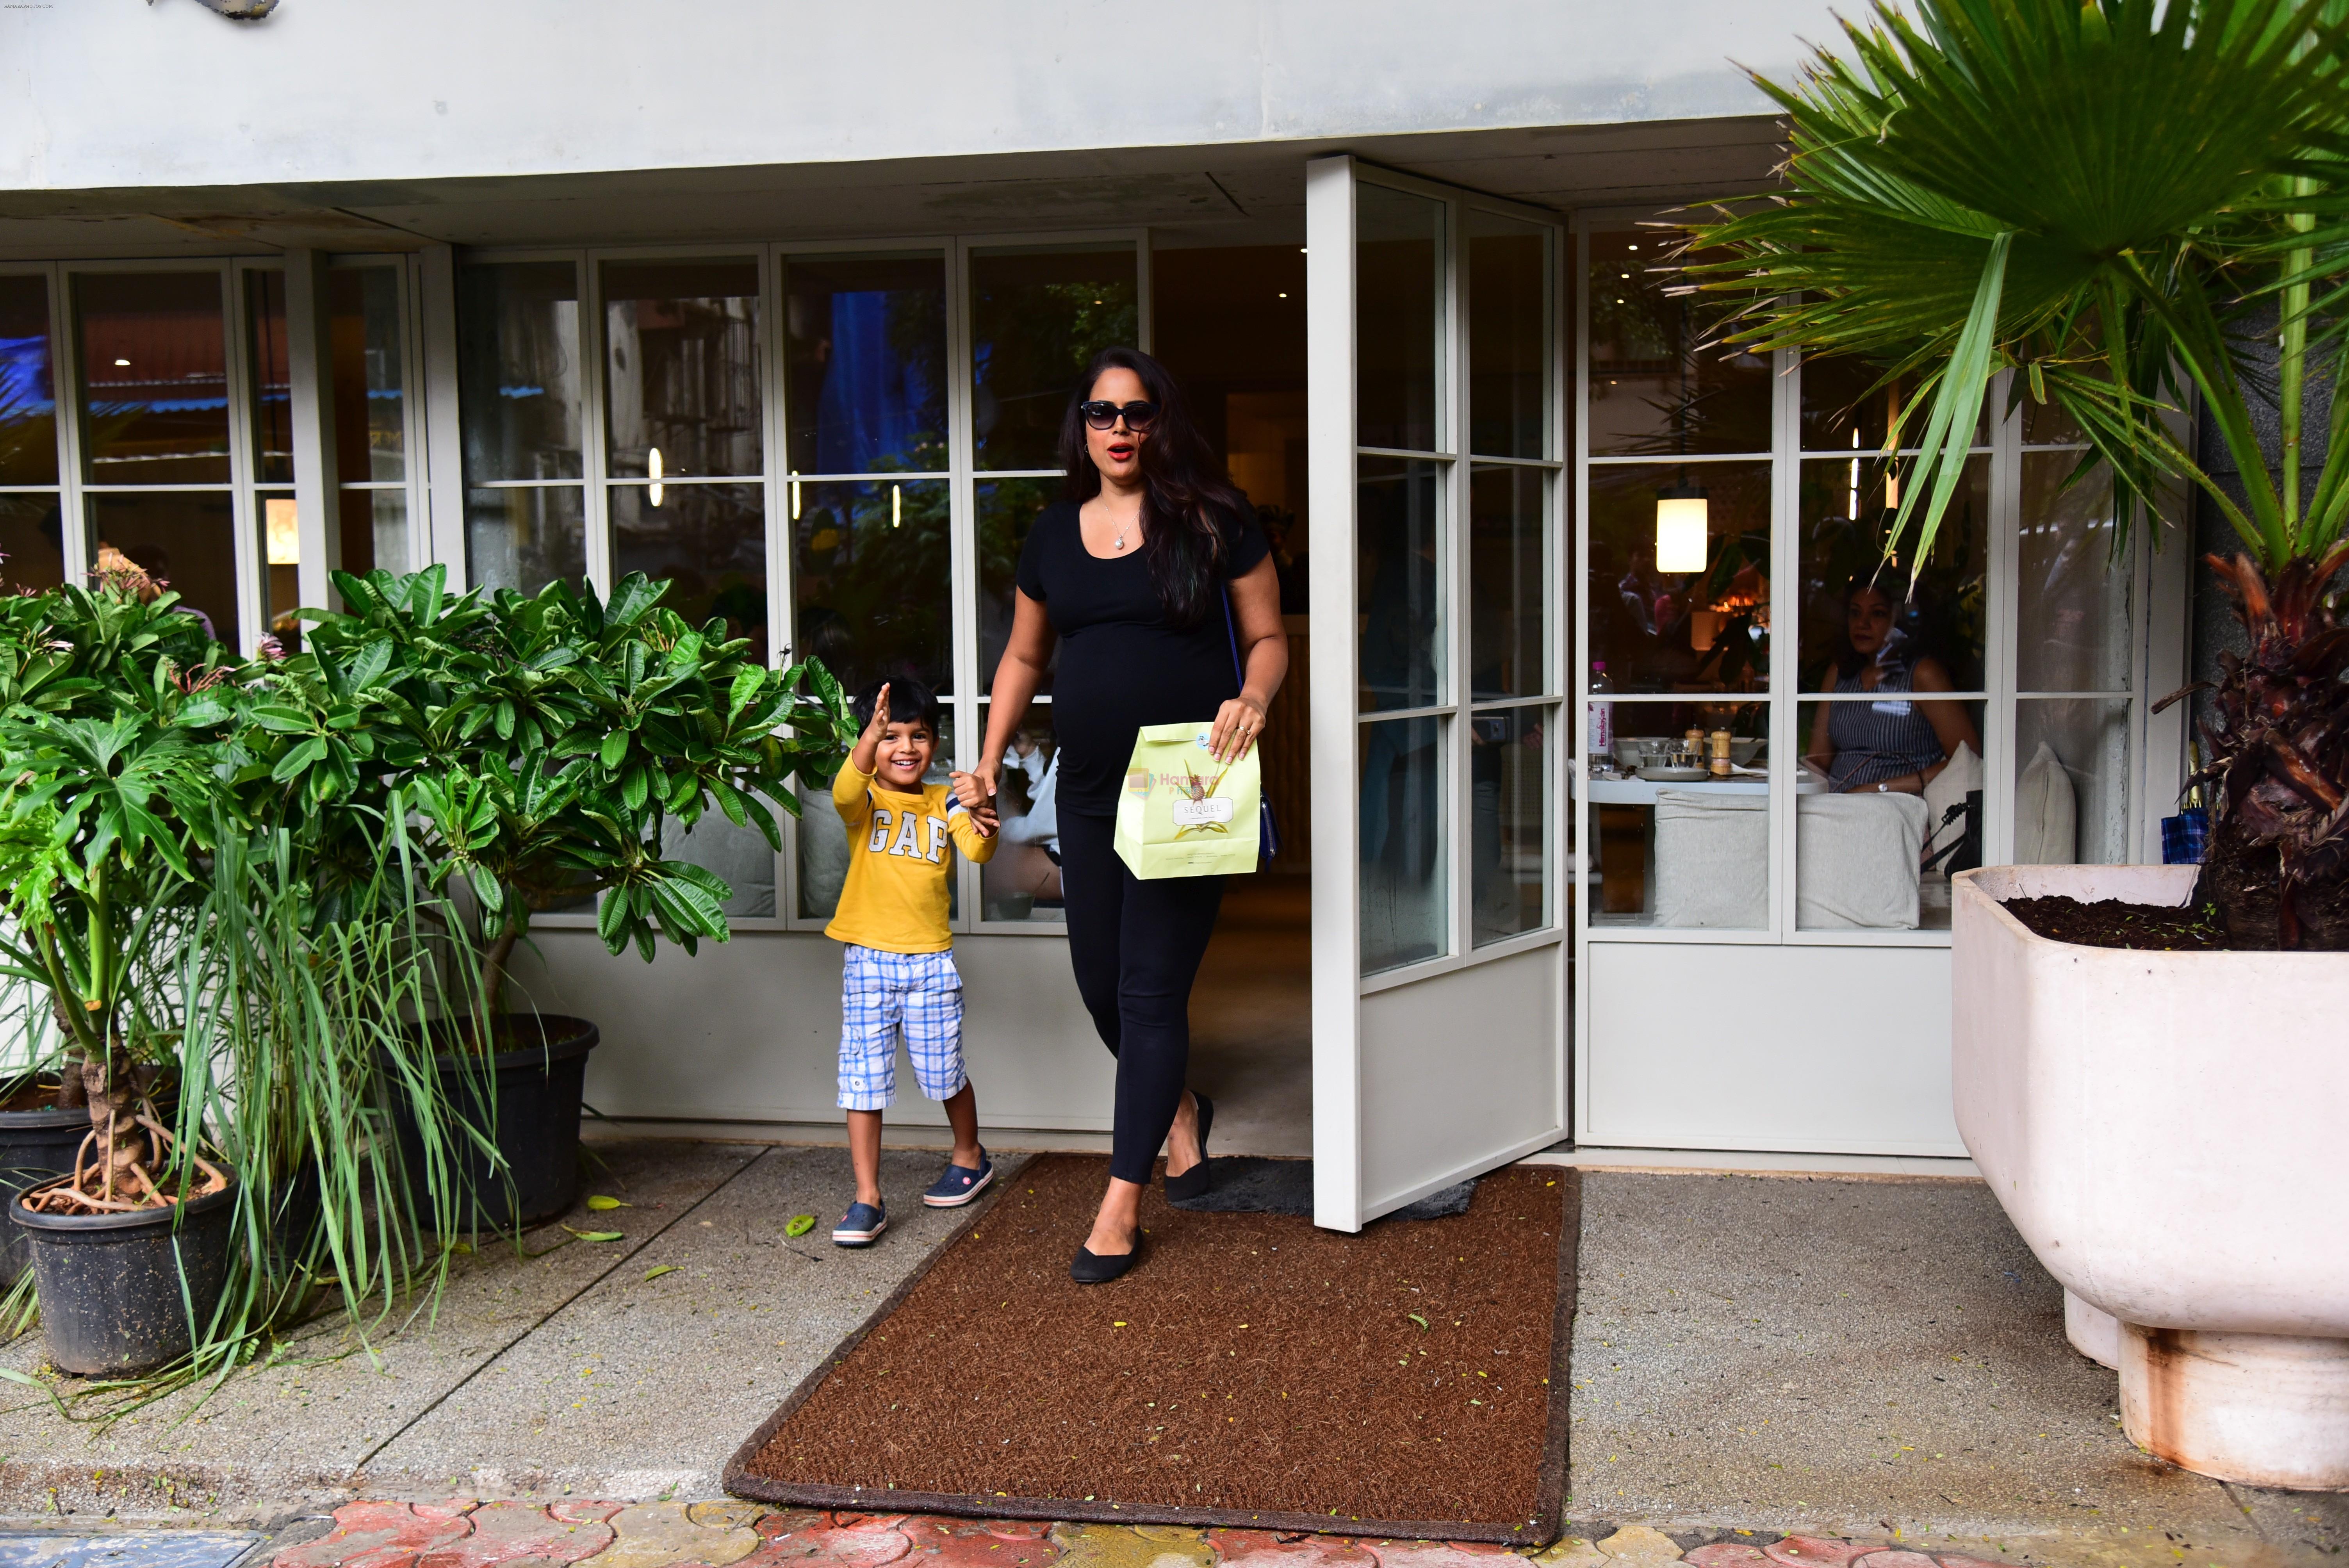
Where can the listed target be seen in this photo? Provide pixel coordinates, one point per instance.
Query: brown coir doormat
(1252, 1370)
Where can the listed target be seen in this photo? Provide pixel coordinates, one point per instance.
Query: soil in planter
(32, 1095)
(2109, 923)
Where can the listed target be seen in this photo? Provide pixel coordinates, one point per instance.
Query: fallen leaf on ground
(656, 1273)
(800, 1225)
(600, 1202)
(595, 1235)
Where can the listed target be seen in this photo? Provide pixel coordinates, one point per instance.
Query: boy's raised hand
(866, 755)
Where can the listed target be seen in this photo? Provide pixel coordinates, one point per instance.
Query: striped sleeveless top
(1881, 739)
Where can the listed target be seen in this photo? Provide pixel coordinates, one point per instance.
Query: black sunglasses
(1101, 414)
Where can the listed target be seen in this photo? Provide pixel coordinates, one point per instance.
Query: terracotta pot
(2165, 1130)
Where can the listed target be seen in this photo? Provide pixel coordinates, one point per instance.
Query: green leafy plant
(2114, 201)
(548, 740)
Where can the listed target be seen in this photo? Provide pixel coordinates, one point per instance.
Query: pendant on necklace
(1120, 541)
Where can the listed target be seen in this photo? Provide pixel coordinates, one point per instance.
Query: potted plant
(547, 740)
(2124, 204)
(107, 803)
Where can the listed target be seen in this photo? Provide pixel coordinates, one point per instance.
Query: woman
(1137, 569)
(1891, 746)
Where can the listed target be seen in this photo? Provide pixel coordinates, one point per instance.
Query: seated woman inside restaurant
(1893, 745)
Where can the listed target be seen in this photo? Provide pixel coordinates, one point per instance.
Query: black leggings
(1136, 946)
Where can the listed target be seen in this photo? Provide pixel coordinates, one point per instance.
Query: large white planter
(2169, 1133)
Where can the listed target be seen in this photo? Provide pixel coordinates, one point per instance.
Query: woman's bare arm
(1027, 654)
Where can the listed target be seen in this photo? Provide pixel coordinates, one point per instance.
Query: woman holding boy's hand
(1155, 574)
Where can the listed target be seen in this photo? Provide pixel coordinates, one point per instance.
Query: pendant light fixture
(1684, 520)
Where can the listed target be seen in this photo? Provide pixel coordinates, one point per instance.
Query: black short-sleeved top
(1123, 665)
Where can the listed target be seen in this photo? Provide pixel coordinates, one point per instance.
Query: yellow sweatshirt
(895, 895)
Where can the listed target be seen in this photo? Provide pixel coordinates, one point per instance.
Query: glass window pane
(823, 839)
(370, 417)
(864, 358)
(28, 405)
(281, 550)
(154, 380)
(374, 530)
(1038, 317)
(1845, 410)
(1398, 318)
(1401, 575)
(185, 540)
(871, 575)
(1023, 881)
(272, 377)
(1877, 858)
(2046, 424)
(1659, 621)
(709, 542)
(1509, 582)
(1677, 845)
(681, 366)
(2071, 782)
(1859, 612)
(1405, 917)
(1007, 508)
(31, 541)
(2071, 596)
(524, 539)
(1509, 785)
(518, 370)
(1509, 336)
(737, 856)
(1652, 390)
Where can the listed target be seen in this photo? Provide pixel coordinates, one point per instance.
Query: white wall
(116, 94)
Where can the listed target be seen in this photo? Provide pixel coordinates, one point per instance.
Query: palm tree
(2115, 200)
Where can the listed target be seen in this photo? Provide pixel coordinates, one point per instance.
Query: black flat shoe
(1195, 1182)
(1089, 1267)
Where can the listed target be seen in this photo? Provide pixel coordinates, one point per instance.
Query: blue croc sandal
(960, 1184)
(861, 1226)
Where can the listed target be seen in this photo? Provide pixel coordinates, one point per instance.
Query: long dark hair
(1189, 505)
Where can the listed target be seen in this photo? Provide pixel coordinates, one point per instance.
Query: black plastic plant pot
(111, 1285)
(35, 1146)
(529, 1100)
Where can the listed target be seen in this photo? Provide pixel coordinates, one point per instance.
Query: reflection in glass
(2071, 596)
(1038, 316)
(736, 856)
(1023, 881)
(1509, 336)
(1509, 782)
(518, 370)
(374, 530)
(681, 347)
(28, 405)
(1681, 632)
(1007, 510)
(524, 539)
(2047, 425)
(870, 573)
(1881, 859)
(281, 548)
(1509, 582)
(709, 542)
(1846, 509)
(1677, 845)
(370, 423)
(1844, 409)
(1398, 315)
(823, 839)
(272, 377)
(1404, 918)
(2071, 782)
(1652, 390)
(185, 540)
(865, 355)
(31, 541)
(154, 378)
(1400, 573)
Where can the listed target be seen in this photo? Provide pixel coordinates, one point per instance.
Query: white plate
(1659, 774)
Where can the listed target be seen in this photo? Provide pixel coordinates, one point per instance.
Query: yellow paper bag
(1183, 814)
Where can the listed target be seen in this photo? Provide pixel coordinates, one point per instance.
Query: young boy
(898, 974)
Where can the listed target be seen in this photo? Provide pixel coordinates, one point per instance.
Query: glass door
(1434, 349)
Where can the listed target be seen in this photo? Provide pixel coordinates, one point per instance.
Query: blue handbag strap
(1231, 631)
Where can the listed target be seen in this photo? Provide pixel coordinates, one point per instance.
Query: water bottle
(1602, 717)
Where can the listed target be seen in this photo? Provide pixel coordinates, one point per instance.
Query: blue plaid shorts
(884, 995)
